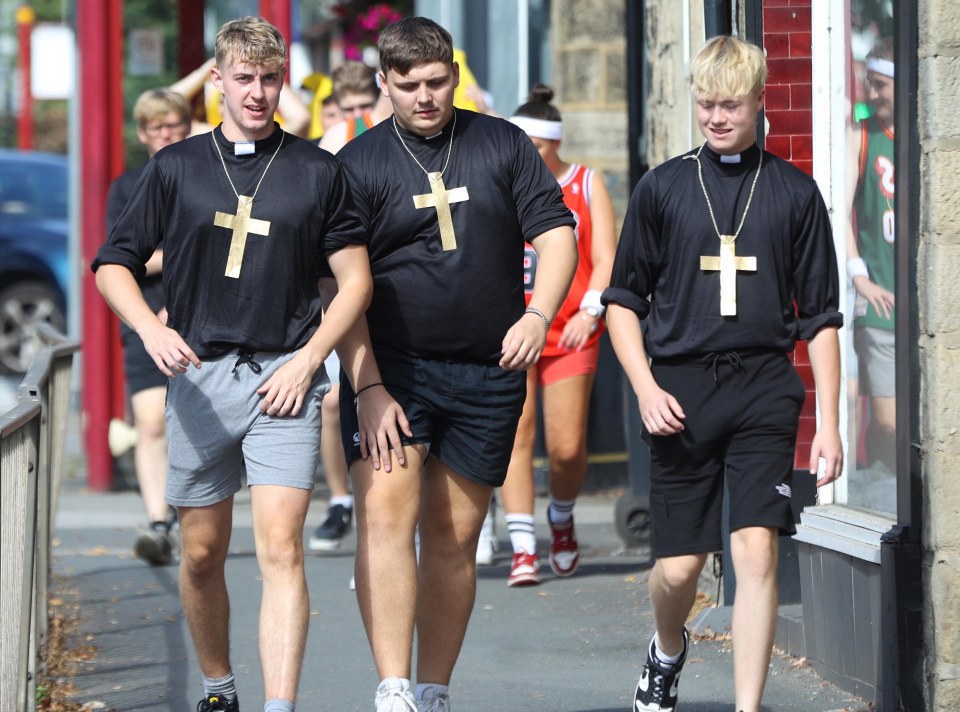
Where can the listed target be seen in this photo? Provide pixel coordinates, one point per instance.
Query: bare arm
(556, 263)
(165, 346)
(381, 419)
(882, 299)
(824, 351)
(284, 391)
(660, 411)
(190, 85)
(603, 251)
(155, 263)
(296, 114)
(335, 137)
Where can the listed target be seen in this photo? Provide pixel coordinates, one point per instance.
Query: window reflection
(871, 259)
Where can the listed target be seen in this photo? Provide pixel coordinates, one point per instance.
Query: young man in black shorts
(727, 254)
(432, 394)
(246, 213)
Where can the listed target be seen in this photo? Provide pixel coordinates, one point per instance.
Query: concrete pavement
(568, 645)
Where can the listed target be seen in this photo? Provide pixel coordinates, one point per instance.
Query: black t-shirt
(273, 305)
(458, 303)
(792, 294)
(117, 198)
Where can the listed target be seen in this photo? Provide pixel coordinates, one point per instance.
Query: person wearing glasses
(163, 118)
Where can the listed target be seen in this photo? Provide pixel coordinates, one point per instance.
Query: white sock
(663, 657)
(560, 511)
(345, 501)
(522, 533)
(434, 691)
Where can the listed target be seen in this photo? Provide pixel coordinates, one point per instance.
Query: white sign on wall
(145, 53)
(52, 61)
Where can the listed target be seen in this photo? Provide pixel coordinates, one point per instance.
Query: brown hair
(412, 41)
(538, 104)
(354, 78)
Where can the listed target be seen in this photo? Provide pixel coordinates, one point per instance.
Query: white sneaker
(488, 545)
(395, 695)
(434, 701)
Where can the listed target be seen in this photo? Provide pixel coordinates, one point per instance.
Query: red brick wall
(788, 109)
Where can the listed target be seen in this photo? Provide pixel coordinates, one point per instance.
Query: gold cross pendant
(728, 263)
(241, 224)
(440, 198)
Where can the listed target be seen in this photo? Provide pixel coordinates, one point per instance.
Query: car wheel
(22, 306)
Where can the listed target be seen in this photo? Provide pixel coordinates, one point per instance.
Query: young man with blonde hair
(727, 253)
(163, 118)
(247, 215)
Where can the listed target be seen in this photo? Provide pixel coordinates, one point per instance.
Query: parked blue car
(33, 252)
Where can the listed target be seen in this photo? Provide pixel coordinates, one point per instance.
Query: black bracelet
(356, 395)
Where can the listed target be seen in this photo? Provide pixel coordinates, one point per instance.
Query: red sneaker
(564, 552)
(524, 570)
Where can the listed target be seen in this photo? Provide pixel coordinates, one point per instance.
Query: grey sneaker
(434, 701)
(395, 696)
(154, 546)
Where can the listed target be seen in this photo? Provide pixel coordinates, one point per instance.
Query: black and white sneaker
(218, 703)
(657, 688)
(328, 535)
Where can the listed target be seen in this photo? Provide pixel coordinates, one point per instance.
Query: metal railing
(31, 461)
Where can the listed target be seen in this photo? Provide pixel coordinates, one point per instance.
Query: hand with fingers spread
(381, 421)
(578, 331)
(882, 300)
(283, 393)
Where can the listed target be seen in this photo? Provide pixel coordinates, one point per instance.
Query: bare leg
(150, 453)
(754, 552)
(673, 589)
(518, 489)
(204, 541)
(882, 432)
(387, 506)
(278, 515)
(565, 405)
(331, 449)
(453, 510)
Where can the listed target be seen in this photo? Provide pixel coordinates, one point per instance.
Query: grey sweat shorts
(877, 356)
(214, 427)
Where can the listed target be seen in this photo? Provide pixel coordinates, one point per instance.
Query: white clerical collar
(244, 148)
(734, 158)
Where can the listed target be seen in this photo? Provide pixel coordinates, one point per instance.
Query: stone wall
(590, 79)
(939, 298)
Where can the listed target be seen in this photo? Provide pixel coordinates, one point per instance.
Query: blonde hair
(155, 104)
(727, 67)
(252, 40)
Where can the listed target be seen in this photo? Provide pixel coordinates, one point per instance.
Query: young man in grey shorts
(247, 215)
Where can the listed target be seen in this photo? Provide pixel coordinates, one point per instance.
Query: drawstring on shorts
(712, 360)
(246, 357)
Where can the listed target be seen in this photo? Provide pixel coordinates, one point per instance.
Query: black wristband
(356, 395)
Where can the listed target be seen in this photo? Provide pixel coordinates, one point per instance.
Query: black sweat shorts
(140, 370)
(466, 413)
(742, 412)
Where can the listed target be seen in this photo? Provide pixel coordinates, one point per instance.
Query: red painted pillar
(25, 18)
(99, 29)
(277, 12)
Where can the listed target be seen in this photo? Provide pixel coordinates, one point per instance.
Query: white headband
(539, 128)
(880, 66)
